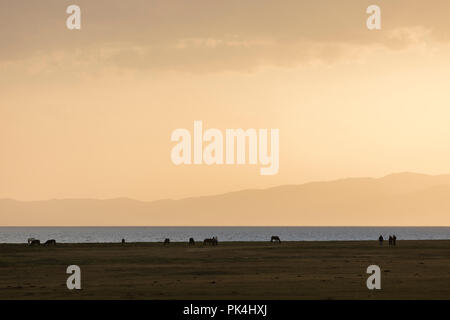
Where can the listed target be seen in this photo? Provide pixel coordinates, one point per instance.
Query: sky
(89, 113)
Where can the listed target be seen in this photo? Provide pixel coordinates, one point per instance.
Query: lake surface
(157, 234)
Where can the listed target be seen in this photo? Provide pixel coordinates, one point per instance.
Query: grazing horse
(211, 241)
(275, 239)
(34, 242)
(166, 241)
(191, 242)
(30, 239)
(51, 242)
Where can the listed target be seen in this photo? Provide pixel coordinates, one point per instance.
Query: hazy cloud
(206, 36)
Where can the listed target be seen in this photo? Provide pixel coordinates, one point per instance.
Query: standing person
(390, 241)
(394, 240)
(380, 239)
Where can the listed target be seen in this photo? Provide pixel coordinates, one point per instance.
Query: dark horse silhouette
(191, 242)
(51, 242)
(275, 239)
(35, 242)
(166, 241)
(211, 241)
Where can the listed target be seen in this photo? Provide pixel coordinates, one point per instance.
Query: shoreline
(200, 242)
(228, 234)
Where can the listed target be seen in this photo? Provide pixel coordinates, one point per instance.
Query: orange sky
(89, 114)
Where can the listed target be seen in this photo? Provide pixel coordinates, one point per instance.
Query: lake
(157, 234)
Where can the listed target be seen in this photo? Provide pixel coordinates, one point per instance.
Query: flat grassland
(232, 270)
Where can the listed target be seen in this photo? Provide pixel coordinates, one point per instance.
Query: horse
(35, 242)
(275, 239)
(51, 242)
(211, 241)
(30, 239)
(166, 241)
(191, 242)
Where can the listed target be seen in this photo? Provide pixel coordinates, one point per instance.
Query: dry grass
(233, 270)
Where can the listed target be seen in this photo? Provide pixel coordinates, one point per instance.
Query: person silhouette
(394, 240)
(380, 239)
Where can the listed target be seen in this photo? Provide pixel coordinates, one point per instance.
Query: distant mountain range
(403, 199)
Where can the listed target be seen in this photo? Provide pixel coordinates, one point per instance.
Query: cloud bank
(210, 36)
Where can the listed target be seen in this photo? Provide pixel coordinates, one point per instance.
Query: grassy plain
(232, 270)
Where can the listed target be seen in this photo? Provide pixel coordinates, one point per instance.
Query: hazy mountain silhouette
(408, 199)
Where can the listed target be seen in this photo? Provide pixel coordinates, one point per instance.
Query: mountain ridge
(396, 199)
